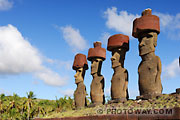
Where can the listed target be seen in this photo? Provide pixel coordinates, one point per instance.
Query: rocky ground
(161, 102)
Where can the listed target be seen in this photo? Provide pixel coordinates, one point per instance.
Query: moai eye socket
(79, 70)
(149, 36)
(94, 60)
(113, 52)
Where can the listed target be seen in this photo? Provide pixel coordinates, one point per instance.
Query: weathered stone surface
(148, 96)
(80, 65)
(80, 61)
(178, 96)
(96, 55)
(178, 91)
(147, 22)
(117, 41)
(97, 52)
(80, 95)
(146, 29)
(119, 44)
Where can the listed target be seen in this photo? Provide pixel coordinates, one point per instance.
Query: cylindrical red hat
(97, 51)
(147, 22)
(117, 41)
(80, 61)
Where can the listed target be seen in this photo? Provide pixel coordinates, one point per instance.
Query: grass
(165, 101)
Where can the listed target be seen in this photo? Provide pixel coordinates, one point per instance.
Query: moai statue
(80, 65)
(178, 91)
(97, 55)
(119, 44)
(146, 28)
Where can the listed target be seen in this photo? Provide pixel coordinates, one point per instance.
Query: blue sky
(39, 39)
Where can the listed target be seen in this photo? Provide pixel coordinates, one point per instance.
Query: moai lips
(147, 22)
(80, 65)
(97, 55)
(118, 44)
(97, 52)
(118, 40)
(80, 61)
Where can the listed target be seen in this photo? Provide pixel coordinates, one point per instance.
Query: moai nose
(75, 75)
(141, 43)
(113, 58)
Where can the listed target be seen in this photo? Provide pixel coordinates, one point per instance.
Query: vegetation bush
(26, 108)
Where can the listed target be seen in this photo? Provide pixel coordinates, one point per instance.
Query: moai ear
(155, 39)
(83, 73)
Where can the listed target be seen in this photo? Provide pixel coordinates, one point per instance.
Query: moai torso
(80, 65)
(119, 44)
(146, 28)
(97, 55)
(97, 90)
(119, 84)
(149, 80)
(80, 95)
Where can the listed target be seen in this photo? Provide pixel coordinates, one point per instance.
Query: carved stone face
(79, 75)
(117, 58)
(95, 65)
(147, 43)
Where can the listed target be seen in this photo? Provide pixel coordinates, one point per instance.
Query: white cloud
(66, 64)
(171, 70)
(5, 5)
(165, 19)
(60, 64)
(51, 78)
(74, 39)
(169, 21)
(35, 82)
(104, 37)
(67, 92)
(170, 24)
(121, 22)
(19, 56)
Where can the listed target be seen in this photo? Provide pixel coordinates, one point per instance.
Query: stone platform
(175, 115)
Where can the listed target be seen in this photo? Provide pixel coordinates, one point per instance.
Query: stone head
(80, 65)
(96, 55)
(146, 28)
(147, 42)
(118, 44)
(118, 56)
(79, 76)
(96, 65)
